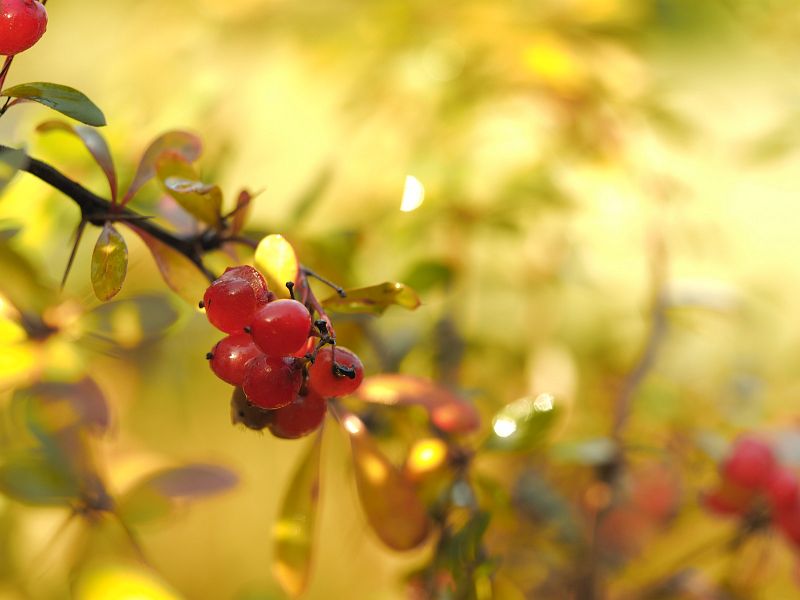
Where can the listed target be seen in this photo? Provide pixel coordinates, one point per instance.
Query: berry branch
(97, 211)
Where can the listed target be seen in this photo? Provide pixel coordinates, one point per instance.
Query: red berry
(788, 522)
(331, 378)
(230, 304)
(250, 275)
(22, 23)
(782, 489)
(281, 328)
(306, 348)
(230, 355)
(272, 382)
(301, 417)
(750, 464)
(245, 413)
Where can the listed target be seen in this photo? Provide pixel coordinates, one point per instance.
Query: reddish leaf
(447, 411)
(183, 143)
(390, 501)
(179, 273)
(95, 144)
(193, 481)
(242, 211)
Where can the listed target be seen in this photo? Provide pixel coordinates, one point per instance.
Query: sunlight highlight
(413, 194)
(504, 427)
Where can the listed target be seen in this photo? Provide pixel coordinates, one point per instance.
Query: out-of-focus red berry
(300, 418)
(281, 328)
(750, 464)
(730, 499)
(330, 381)
(272, 382)
(230, 355)
(782, 489)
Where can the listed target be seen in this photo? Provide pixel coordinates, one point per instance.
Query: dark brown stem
(97, 210)
(4, 72)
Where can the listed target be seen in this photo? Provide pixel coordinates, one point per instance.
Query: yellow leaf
(276, 259)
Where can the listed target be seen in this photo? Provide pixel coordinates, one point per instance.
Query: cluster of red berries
(756, 487)
(22, 23)
(286, 363)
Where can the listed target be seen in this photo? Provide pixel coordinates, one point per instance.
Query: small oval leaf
(276, 259)
(181, 275)
(389, 499)
(293, 532)
(244, 204)
(374, 299)
(64, 99)
(95, 144)
(109, 263)
(182, 143)
(448, 412)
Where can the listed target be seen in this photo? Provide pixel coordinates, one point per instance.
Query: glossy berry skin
(230, 304)
(281, 328)
(750, 464)
(300, 418)
(250, 275)
(230, 355)
(22, 23)
(272, 382)
(306, 348)
(323, 378)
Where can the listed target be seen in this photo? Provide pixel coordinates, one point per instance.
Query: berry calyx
(230, 304)
(281, 328)
(750, 464)
(272, 382)
(22, 24)
(245, 413)
(336, 372)
(300, 418)
(230, 356)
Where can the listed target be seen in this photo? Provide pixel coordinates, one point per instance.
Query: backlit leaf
(179, 273)
(62, 98)
(389, 499)
(109, 263)
(276, 259)
(95, 144)
(447, 411)
(11, 161)
(82, 403)
(293, 532)
(523, 424)
(181, 181)
(183, 143)
(374, 299)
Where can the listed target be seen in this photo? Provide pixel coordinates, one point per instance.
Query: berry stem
(3, 73)
(309, 273)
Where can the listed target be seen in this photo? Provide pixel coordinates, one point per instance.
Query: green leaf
(95, 144)
(130, 322)
(62, 98)
(179, 273)
(293, 532)
(11, 161)
(447, 411)
(181, 181)
(276, 259)
(30, 478)
(389, 499)
(82, 403)
(523, 424)
(182, 143)
(109, 263)
(374, 299)
(428, 274)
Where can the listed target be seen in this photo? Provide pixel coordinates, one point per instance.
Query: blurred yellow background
(564, 147)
